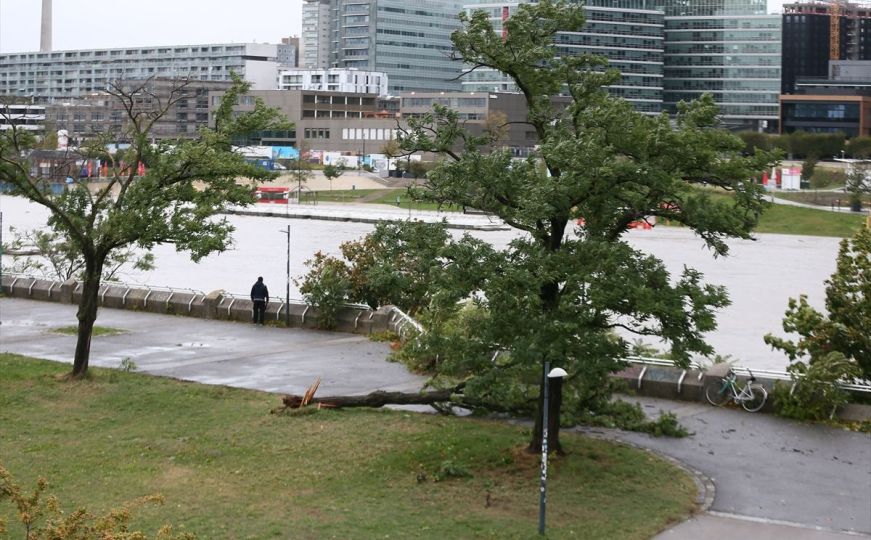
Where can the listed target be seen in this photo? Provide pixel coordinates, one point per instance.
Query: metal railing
(863, 387)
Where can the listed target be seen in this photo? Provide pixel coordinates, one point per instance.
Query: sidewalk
(774, 478)
(372, 213)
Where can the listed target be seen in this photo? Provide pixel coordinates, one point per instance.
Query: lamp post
(287, 283)
(555, 375)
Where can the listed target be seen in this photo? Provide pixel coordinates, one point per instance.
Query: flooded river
(760, 275)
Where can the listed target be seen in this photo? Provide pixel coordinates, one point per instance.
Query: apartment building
(54, 75)
(334, 80)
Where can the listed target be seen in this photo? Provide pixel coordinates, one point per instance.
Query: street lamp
(553, 376)
(287, 289)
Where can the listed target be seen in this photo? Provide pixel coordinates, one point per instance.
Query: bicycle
(751, 397)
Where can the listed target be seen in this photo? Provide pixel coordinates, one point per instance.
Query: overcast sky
(94, 24)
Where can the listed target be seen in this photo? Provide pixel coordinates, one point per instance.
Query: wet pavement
(769, 469)
(210, 352)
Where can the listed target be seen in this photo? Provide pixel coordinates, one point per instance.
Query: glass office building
(629, 33)
(409, 40)
(730, 49)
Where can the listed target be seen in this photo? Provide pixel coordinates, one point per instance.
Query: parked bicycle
(751, 396)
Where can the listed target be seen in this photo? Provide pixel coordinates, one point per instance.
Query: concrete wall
(215, 305)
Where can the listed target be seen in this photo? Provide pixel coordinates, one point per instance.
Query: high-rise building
(409, 40)
(315, 34)
(71, 74)
(809, 44)
(288, 52)
(730, 49)
(629, 33)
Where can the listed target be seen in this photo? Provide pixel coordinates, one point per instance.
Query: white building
(24, 117)
(70, 74)
(333, 80)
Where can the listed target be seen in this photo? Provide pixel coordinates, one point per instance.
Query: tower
(45, 27)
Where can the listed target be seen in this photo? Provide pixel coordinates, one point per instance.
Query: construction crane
(835, 30)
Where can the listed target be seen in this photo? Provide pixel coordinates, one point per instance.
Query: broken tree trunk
(376, 399)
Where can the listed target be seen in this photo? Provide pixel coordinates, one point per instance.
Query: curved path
(777, 477)
(774, 478)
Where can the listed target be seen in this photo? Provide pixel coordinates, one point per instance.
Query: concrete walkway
(772, 475)
(210, 352)
(774, 478)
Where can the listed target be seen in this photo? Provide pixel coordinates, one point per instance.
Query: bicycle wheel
(757, 398)
(717, 393)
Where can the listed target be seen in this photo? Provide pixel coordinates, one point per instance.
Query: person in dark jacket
(259, 295)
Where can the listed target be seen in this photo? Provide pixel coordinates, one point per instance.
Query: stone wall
(215, 305)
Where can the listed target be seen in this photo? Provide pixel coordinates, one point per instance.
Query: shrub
(326, 286)
(814, 393)
(42, 518)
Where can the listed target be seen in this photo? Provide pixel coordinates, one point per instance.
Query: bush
(629, 416)
(326, 286)
(814, 393)
(823, 178)
(42, 518)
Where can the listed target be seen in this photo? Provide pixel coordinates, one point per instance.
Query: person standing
(259, 296)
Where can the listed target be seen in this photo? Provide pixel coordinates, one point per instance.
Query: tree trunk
(554, 405)
(87, 316)
(377, 399)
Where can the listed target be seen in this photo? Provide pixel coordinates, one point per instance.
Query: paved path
(769, 473)
(774, 478)
(211, 352)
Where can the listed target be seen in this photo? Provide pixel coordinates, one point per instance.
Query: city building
(840, 102)
(26, 117)
(333, 80)
(288, 52)
(102, 113)
(64, 75)
(629, 33)
(809, 42)
(730, 49)
(315, 34)
(409, 40)
(323, 120)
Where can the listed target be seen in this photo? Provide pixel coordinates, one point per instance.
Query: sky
(95, 24)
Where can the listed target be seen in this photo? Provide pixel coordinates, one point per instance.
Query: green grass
(98, 331)
(820, 198)
(229, 469)
(784, 219)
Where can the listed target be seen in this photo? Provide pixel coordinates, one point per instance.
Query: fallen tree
(376, 399)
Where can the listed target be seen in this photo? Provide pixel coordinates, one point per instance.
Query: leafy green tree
(327, 286)
(858, 183)
(47, 253)
(187, 184)
(558, 293)
(859, 147)
(754, 139)
(848, 302)
(332, 172)
(807, 170)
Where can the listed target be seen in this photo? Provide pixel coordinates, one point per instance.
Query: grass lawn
(783, 219)
(229, 469)
(98, 331)
(821, 198)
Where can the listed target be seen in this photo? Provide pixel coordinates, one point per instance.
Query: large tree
(560, 293)
(174, 197)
